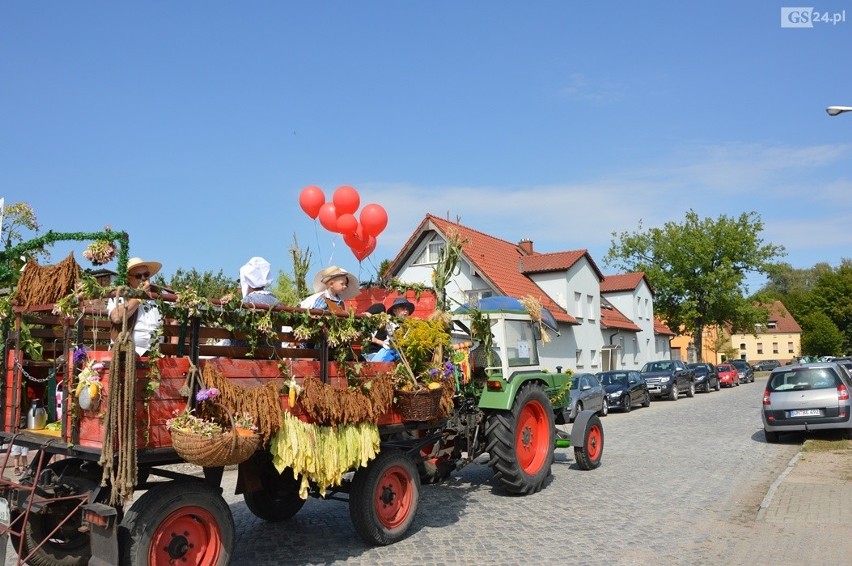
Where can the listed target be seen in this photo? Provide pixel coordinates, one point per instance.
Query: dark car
(766, 365)
(745, 370)
(669, 378)
(624, 389)
(805, 398)
(706, 377)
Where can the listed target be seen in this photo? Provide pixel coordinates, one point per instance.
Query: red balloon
(347, 224)
(328, 217)
(362, 253)
(374, 219)
(311, 199)
(346, 200)
(354, 242)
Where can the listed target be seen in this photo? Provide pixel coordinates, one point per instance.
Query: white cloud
(784, 185)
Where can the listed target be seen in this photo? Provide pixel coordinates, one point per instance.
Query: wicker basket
(422, 405)
(214, 451)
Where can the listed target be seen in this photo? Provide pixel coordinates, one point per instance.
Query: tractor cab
(511, 346)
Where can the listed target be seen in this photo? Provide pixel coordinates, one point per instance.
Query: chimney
(526, 246)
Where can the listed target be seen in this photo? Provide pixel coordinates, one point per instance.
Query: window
(590, 308)
(775, 347)
(578, 304)
(760, 347)
(521, 347)
(771, 324)
(473, 296)
(579, 354)
(790, 348)
(594, 358)
(742, 346)
(431, 253)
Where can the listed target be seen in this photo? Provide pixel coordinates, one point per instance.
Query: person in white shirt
(142, 314)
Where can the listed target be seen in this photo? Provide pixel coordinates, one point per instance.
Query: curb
(767, 500)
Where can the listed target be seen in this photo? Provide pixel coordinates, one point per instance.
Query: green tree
(832, 295)
(19, 219)
(820, 336)
(697, 269)
(207, 284)
(285, 290)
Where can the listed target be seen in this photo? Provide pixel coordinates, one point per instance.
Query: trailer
(73, 504)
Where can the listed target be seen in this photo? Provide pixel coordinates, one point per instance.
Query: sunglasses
(140, 276)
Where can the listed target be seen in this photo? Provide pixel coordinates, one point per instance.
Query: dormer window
(431, 253)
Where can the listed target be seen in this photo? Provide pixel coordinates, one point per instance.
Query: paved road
(671, 474)
(681, 483)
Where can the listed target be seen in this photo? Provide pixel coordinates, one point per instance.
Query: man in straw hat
(332, 286)
(142, 315)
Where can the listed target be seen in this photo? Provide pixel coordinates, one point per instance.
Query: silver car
(586, 393)
(807, 397)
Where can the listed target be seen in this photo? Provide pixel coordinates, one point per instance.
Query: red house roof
(501, 263)
(624, 282)
(784, 321)
(660, 327)
(612, 318)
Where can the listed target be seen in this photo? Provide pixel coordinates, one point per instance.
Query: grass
(826, 445)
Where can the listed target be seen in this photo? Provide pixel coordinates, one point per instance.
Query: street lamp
(835, 110)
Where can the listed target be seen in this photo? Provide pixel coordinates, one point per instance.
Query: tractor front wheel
(521, 441)
(588, 453)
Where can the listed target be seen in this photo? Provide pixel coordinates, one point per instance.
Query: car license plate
(805, 413)
(5, 515)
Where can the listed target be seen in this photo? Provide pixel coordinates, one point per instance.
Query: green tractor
(508, 407)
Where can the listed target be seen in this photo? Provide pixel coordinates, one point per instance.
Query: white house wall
(587, 337)
(580, 346)
(645, 346)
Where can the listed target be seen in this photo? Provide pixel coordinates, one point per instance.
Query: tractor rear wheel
(521, 441)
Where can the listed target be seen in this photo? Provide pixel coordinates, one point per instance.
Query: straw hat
(322, 278)
(152, 266)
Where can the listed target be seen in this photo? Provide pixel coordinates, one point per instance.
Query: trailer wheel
(588, 454)
(178, 522)
(384, 498)
(278, 499)
(68, 546)
(521, 441)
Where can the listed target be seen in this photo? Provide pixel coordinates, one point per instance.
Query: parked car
(844, 361)
(624, 389)
(706, 377)
(766, 365)
(669, 378)
(586, 392)
(745, 370)
(807, 397)
(728, 375)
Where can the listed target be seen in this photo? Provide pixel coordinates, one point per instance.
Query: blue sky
(194, 126)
